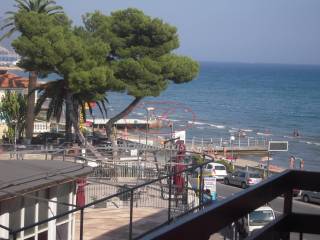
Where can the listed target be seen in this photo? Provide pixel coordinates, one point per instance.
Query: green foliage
(39, 6)
(197, 159)
(141, 51)
(227, 164)
(13, 112)
(124, 52)
(53, 46)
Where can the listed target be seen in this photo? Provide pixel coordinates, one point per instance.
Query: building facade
(41, 190)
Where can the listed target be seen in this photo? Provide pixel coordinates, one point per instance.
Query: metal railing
(227, 211)
(162, 192)
(219, 143)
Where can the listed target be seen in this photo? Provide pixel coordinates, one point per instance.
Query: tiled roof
(9, 81)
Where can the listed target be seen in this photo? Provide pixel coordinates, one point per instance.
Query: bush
(227, 164)
(197, 159)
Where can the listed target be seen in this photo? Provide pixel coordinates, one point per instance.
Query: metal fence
(162, 194)
(220, 143)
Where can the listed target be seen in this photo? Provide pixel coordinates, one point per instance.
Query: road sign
(211, 184)
(278, 146)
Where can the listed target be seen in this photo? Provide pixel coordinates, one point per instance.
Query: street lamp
(232, 138)
(148, 109)
(15, 122)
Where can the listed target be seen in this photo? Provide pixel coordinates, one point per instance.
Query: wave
(208, 124)
(217, 126)
(169, 120)
(263, 134)
(197, 123)
(310, 142)
(246, 130)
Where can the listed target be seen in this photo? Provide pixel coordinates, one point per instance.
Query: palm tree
(39, 6)
(59, 94)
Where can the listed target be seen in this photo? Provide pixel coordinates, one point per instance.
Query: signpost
(276, 146)
(210, 183)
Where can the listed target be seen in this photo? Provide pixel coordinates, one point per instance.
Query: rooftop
(12, 81)
(19, 176)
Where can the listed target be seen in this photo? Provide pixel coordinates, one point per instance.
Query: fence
(228, 211)
(220, 143)
(164, 196)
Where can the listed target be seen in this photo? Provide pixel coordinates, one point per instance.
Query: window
(209, 166)
(62, 231)
(43, 236)
(220, 168)
(63, 192)
(29, 213)
(43, 208)
(15, 206)
(242, 174)
(254, 175)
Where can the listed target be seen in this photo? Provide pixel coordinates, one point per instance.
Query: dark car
(98, 139)
(46, 138)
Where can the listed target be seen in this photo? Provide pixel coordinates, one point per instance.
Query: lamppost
(92, 125)
(148, 109)
(15, 122)
(232, 138)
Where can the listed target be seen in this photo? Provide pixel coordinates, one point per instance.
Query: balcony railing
(215, 217)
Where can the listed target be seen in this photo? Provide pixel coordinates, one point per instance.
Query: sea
(262, 101)
(271, 101)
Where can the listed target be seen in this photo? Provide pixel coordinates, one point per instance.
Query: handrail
(127, 191)
(229, 210)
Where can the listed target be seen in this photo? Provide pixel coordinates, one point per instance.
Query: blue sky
(269, 31)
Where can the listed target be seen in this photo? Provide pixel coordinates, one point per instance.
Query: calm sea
(257, 98)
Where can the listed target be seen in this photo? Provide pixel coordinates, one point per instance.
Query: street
(225, 191)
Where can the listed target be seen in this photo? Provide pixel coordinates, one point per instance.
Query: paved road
(225, 191)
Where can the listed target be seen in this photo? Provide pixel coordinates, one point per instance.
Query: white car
(216, 170)
(259, 218)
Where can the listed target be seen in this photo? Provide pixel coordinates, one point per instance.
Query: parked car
(296, 192)
(310, 196)
(97, 139)
(214, 170)
(46, 138)
(259, 218)
(243, 179)
(253, 221)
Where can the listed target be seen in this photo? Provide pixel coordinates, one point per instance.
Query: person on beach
(292, 162)
(301, 164)
(296, 133)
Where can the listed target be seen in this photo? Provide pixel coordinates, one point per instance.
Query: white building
(35, 190)
(13, 82)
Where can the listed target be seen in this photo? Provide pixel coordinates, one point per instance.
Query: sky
(251, 31)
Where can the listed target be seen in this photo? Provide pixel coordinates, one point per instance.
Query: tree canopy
(141, 53)
(124, 52)
(40, 6)
(13, 111)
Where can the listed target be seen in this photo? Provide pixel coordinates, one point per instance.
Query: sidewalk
(113, 223)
